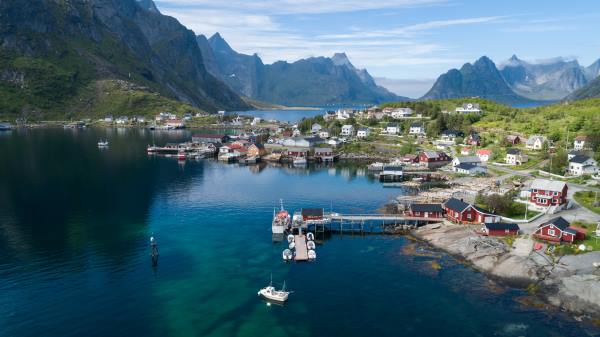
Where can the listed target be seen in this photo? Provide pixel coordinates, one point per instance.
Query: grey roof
(501, 226)
(456, 205)
(548, 185)
(468, 159)
(427, 208)
(392, 125)
(431, 154)
(579, 159)
(323, 150)
(452, 132)
(513, 151)
(466, 166)
(417, 125)
(559, 222)
(363, 129)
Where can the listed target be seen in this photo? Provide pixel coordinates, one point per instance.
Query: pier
(301, 250)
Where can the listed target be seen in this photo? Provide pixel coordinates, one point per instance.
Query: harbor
(211, 224)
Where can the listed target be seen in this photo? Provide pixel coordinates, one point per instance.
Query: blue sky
(413, 41)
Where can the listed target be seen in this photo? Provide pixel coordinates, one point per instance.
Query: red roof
(484, 152)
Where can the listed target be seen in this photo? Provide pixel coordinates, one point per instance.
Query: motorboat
(281, 220)
(312, 254)
(103, 143)
(287, 255)
(271, 294)
(300, 161)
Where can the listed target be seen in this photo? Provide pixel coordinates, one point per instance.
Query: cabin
(466, 160)
(210, 138)
(297, 152)
(548, 192)
(427, 211)
(324, 154)
(469, 169)
(324, 133)
(484, 155)
(363, 133)
(500, 229)
(312, 214)
(433, 159)
(459, 211)
(558, 230)
(513, 139)
(401, 113)
(451, 135)
(580, 143)
(256, 150)
(515, 157)
(580, 165)
(417, 129)
(535, 142)
(315, 128)
(465, 151)
(474, 139)
(468, 108)
(410, 159)
(392, 129)
(348, 130)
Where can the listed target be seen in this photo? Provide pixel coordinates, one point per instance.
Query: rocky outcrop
(568, 282)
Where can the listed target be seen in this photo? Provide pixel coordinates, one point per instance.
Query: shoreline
(568, 284)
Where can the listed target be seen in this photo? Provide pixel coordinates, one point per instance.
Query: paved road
(527, 173)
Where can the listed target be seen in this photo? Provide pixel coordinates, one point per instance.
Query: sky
(405, 44)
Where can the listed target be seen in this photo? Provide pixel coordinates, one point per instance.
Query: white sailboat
(272, 294)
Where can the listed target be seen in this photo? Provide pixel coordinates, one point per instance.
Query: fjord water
(74, 228)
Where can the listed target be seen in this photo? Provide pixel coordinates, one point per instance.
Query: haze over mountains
(515, 81)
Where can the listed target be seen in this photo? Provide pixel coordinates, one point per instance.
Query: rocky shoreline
(568, 283)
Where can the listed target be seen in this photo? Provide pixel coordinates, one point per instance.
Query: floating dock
(301, 250)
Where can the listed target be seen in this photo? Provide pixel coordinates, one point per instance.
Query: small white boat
(310, 245)
(103, 143)
(300, 161)
(272, 294)
(287, 255)
(290, 238)
(292, 245)
(310, 236)
(312, 255)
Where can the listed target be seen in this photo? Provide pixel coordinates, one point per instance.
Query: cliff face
(312, 81)
(480, 79)
(55, 48)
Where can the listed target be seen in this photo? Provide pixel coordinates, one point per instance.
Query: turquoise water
(74, 229)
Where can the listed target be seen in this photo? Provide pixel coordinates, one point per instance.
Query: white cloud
(279, 7)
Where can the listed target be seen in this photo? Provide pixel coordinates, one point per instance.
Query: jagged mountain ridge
(480, 79)
(50, 50)
(550, 80)
(311, 81)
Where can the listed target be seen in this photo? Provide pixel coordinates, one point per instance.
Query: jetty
(301, 250)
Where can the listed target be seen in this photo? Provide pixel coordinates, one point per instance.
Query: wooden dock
(379, 217)
(301, 250)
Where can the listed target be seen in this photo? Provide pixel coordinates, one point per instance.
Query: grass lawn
(533, 161)
(517, 211)
(586, 199)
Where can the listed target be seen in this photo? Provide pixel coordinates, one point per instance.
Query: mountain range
(515, 81)
(311, 81)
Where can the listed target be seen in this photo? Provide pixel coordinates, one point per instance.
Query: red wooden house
(558, 230)
(548, 192)
(427, 211)
(500, 229)
(433, 159)
(312, 214)
(461, 212)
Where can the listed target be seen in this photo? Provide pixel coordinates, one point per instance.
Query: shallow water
(74, 229)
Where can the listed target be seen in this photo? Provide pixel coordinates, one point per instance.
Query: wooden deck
(301, 250)
(380, 217)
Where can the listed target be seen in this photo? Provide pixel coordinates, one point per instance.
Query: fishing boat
(300, 161)
(281, 220)
(5, 127)
(181, 155)
(271, 294)
(103, 143)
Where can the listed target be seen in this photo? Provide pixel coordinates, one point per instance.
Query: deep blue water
(74, 229)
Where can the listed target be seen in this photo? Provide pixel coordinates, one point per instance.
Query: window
(551, 232)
